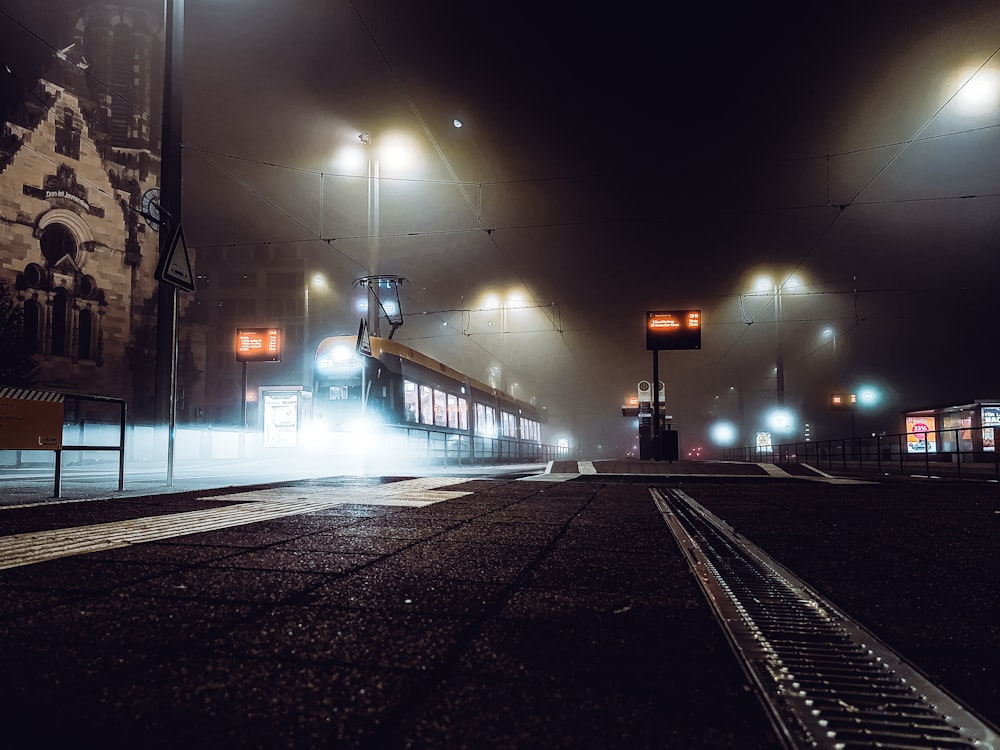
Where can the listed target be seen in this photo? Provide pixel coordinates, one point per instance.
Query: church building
(79, 173)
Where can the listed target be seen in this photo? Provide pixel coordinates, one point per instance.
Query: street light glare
(980, 92)
(396, 151)
(723, 433)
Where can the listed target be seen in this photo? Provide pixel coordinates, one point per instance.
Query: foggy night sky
(616, 159)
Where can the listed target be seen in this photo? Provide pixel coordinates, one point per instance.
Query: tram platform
(502, 610)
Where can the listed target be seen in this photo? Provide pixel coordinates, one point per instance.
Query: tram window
(411, 406)
(440, 410)
(426, 405)
(463, 414)
(508, 424)
(452, 411)
(486, 420)
(338, 392)
(529, 429)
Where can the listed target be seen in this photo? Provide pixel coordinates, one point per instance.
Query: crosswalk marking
(259, 505)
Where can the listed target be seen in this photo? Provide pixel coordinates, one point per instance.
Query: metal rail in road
(824, 680)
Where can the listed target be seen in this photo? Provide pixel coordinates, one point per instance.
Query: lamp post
(374, 199)
(767, 286)
(318, 282)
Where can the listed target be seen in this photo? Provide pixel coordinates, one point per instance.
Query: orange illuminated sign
(258, 345)
(673, 329)
(843, 400)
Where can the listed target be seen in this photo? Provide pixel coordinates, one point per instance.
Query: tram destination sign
(673, 329)
(258, 345)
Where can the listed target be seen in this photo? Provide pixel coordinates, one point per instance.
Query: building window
(67, 136)
(33, 325)
(87, 336)
(57, 244)
(60, 329)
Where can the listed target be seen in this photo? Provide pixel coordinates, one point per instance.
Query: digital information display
(673, 329)
(258, 345)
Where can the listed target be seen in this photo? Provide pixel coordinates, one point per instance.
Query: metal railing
(959, 452)
(119, 448)
(460, 449)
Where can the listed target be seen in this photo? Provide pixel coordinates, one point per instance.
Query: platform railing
(36, 420)
(959, 452)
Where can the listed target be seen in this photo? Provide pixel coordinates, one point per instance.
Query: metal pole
(780, 365)
(656, 405)
(170, 211)
(121, 447)
(57, 490)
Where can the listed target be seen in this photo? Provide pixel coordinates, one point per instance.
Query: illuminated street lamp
(765, 285)
(395, 151)
(319, 283)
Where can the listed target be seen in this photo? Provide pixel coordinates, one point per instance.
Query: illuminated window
(508, 424)
(440, 409)
(452, 411)
(463, 414)
(426, 405)
(411, 405)
(486, 420)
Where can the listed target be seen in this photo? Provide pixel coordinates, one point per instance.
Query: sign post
(254, 345)
(669, 329)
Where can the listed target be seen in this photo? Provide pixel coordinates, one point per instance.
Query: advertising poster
(991, 419)
(281, 420)
(920, 435)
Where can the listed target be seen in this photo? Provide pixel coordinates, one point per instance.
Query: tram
(429, 410)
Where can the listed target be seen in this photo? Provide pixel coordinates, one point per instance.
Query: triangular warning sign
(364, 346)
(175, 264)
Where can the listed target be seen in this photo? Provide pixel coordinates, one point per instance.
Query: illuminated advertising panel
(920, 435)
(990, 420)
(673, 329)
(281, 420)
(258, 345)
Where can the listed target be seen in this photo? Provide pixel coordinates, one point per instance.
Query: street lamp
(395, 151)
(765, 285)
(319, 283)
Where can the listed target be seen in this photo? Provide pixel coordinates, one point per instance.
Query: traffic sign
(175, 264)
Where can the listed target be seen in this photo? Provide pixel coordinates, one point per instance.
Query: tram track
(823, 679)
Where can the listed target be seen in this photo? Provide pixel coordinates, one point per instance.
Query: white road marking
(260, 505)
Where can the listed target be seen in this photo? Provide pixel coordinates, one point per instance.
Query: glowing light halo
(977, 92)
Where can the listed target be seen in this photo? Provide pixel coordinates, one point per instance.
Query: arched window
(88, 331)
(57, 242)
(60, 323)
(33, 325)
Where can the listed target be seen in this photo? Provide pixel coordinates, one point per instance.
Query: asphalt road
(513, 610)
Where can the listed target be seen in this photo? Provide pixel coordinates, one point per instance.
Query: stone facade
(74, 166)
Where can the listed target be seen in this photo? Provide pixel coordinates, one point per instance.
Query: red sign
(258, 345)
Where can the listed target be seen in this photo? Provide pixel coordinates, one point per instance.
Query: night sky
(613, 160)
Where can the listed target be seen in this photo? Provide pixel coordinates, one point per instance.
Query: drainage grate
(825, 681)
